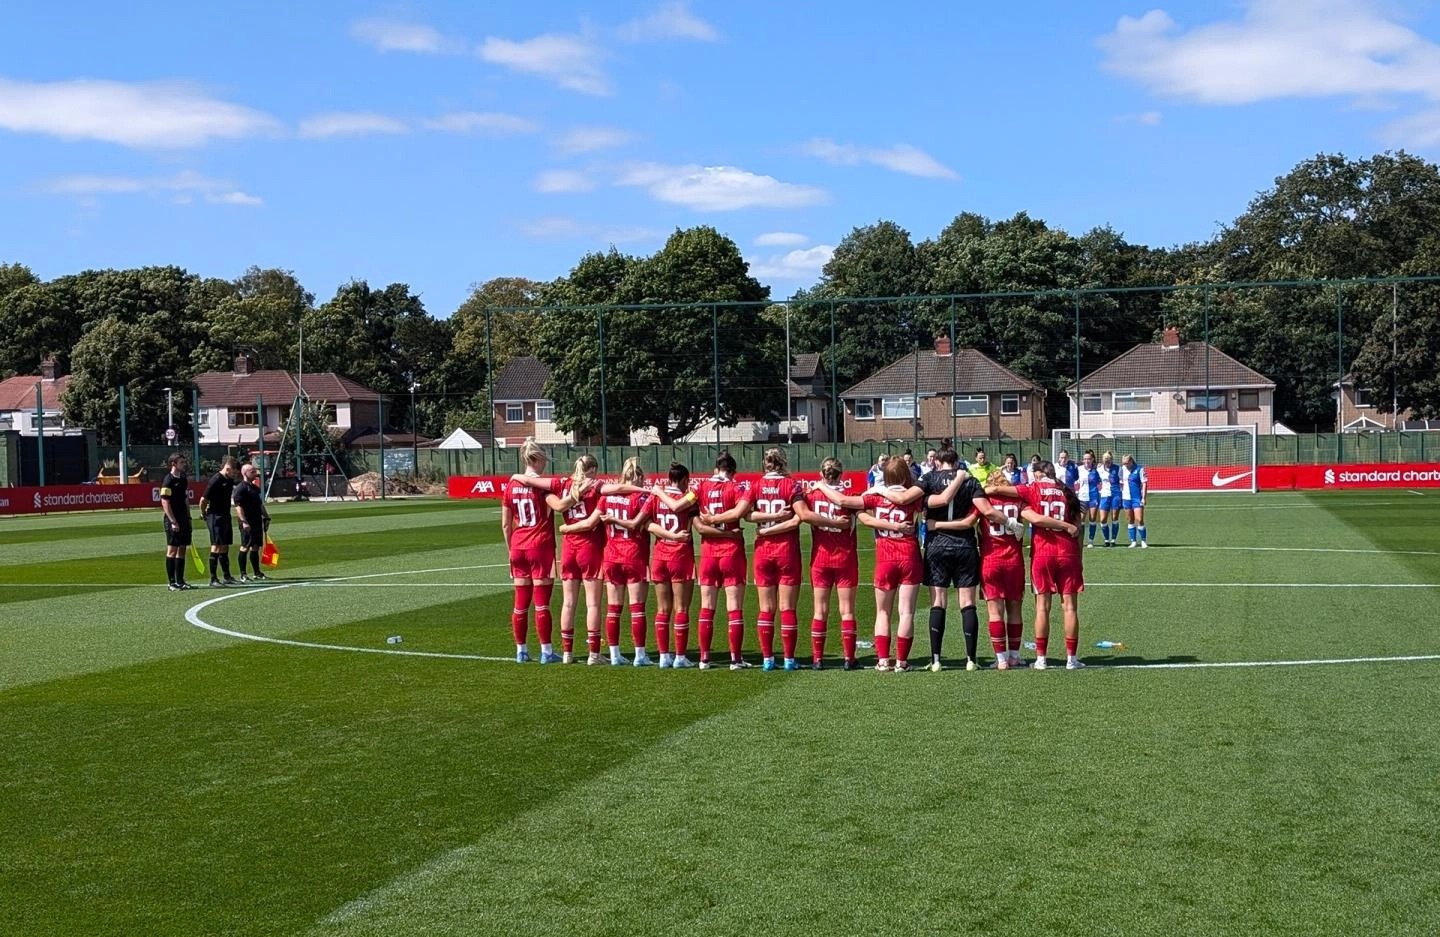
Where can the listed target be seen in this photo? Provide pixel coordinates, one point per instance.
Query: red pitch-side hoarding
(1369, 475)
(53, 499)
(493, 486)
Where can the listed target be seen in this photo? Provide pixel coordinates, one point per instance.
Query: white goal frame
(1086, 438)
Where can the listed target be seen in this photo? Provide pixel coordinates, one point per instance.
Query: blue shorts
(1133, 505)
(1111, 503)
(1087, 505)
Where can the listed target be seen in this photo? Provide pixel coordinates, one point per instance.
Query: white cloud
(1420, 130)
(902, 157)
(563, 228)
(350, 124)
(781, 239)
(590, 139)
(1144, 118)
(482, 122)
(182, 186)
(717, 188)
(140, 114)
(388, 35)
(570, 61)
(672, 21)
(554, 181)
(796, 265)
(1276, 49)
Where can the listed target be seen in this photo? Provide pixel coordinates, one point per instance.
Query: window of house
(972, 404)
(514, 413)
(204, 418)
(1009, 404)
(1198, 401)
(1092, 403)
(240, 418)
(898, 408)
(544, 411)
(1132, 401)
(1362, 398)
(864, 409)
(1249, 400)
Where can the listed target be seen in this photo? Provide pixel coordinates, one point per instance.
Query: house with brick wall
(1360, 411)
(231, 402)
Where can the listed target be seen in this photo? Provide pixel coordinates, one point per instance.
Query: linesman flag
(269, 554)
(196, 561)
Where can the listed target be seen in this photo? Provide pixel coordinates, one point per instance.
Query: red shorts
(1052, 574)
(673, 567)
(778, 565)
(581, 559)
(890, 574)
(533, 563)
(1004, 582)
(842, 577)
(722, 569)
(624, 570)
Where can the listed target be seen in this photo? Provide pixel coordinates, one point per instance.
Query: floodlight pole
(40, 429)
(124, 448)
(789, 401)
(414, 441)
(170, 411)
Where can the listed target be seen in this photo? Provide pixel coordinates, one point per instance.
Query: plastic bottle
(1111, 645)
(394, 639)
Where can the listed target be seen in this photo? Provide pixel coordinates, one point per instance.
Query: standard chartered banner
(53, 499)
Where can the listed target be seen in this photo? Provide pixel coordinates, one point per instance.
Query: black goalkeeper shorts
(951, 565)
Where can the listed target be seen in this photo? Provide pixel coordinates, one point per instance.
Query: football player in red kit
(672, 566)
(1002, 572)
(722, 502)
(627, 561)
(777, 557)
(834, 564)
(1056, 566)
(529, 529)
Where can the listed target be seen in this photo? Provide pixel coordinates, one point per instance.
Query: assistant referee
(215, 510)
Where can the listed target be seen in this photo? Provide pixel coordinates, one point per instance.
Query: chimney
(244, 364)
(1172, 337)
(48, 368)
(942, 346)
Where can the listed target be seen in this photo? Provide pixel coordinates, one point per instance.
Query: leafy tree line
(1328, 218)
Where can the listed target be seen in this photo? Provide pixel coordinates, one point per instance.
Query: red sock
(592, 641)
(682, 633)
(882, 646)
(567, 639)
(789, 632)
(638, 627)
(542, 611)
(1014, 630)
(612, 625)
(1072, 645)
(662, 632)
(707, 631)
(997, 636)
(847, 637)
(902, 648)
(735, 628)
(520, 615)
(1042, 646)
(817, 639)
(766, 626)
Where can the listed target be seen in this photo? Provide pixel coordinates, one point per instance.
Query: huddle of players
(233, 485)
(974, 540)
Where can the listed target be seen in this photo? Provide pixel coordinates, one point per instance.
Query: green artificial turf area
(157, 778)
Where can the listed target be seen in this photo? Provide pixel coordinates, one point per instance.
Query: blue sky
(445, 143)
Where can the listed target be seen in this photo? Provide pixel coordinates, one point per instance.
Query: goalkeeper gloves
(1015, 528)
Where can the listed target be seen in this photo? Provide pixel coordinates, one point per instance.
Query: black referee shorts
(949, 564)
(252, 537)
(177, 535)
(222, 529)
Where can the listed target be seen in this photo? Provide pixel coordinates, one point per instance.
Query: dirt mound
(368, 486)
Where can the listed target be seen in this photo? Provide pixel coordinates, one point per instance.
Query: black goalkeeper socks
(970, 625)
(937, 630)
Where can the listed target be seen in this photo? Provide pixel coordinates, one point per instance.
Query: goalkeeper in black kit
(254, 520)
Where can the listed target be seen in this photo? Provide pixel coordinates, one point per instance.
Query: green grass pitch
(157, 778)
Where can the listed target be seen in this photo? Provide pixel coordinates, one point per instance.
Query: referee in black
(215, 510)
(952, 556)
(175, 505)
(253, 518)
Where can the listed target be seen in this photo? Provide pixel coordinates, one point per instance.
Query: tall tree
(495, 323)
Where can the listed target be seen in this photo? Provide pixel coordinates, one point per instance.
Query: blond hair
(584, 467)
(775, 460)
(532, 455)
(632, 473)
(831, 469)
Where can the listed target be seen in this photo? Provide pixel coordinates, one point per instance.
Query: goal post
(1176, 459)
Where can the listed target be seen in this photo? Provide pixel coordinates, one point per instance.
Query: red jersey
(1048, 497)
(830, 546)
(675, 522)
(716, 496)
(772, 495)
(531, 518)
(892, 545)
(623, 543)
(999, 547)
(588, 504)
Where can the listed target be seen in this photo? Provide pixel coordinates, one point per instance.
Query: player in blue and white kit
(1087, 487)
(1067, 473)
(1010, 468)
(1135, 489)
(1110, 499)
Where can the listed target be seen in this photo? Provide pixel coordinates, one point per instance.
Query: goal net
(1180, 459)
